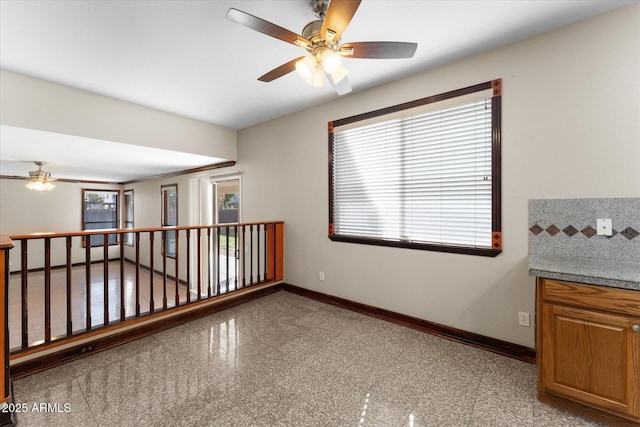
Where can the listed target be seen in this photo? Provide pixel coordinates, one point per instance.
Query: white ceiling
(185, 57)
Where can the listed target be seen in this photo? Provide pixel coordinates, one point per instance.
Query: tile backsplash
(567, 227)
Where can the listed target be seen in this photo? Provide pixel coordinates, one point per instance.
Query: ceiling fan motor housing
(39, 174)
(312, 31)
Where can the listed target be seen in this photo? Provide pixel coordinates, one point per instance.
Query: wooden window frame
(496, 167)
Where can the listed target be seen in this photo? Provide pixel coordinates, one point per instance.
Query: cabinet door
(591, 357)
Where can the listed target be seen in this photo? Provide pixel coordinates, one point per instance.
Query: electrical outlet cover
(523, 318)
(604, 227)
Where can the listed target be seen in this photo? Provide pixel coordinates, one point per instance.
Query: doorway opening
(226, 208)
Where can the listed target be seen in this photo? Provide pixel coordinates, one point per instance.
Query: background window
(170, 216)
(422, 175)
(100, 212)
(128, 216)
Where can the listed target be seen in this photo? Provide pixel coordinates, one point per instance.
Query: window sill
(420, 246)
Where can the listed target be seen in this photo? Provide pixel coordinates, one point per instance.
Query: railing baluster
(244, 257)
(258, 248)
(138, 273)
(177, 268)
(25, 295)
(47, 289)
(69, 314)
(251, 254)
(275, 250)
(209, 254)
(152, 304)
(235, 257)
(105, 279)
(164, 270)
(264, 277)
(87, 275)
(227, 257)
(188, 266)
(122, 280)
(199, 264)
(218, 260)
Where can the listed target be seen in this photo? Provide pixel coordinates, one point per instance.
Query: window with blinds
(423, 175)
(127, 214)
(169, 217)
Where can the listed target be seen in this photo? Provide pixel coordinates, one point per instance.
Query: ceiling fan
(321, 39)
(40, 180)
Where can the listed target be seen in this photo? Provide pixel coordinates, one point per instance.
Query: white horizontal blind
(424, 178)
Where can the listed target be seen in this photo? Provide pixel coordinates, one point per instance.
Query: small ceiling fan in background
(40, 180)
(322, 40)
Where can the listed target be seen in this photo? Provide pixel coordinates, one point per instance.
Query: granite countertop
(616, 274)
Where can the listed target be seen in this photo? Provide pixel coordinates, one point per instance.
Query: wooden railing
(63, 286)
(6, 417)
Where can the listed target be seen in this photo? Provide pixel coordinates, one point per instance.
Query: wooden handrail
(40, 235)
(5, 242)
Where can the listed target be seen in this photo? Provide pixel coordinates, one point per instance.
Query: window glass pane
(100, 212)
(128, 216)
(170, 216)
(170, 203)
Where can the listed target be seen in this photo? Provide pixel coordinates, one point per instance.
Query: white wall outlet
(523, 319)
(322, 275)
(604, 227)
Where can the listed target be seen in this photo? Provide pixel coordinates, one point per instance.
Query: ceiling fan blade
(338, 16)
(342, 87)
(378, 50)
(266, 27)
(280, 71)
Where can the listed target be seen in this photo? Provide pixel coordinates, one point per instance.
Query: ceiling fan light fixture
(331, 61)
(40, 185)
(40, 179)
(306, 66)
(316, 77)
(338, 74)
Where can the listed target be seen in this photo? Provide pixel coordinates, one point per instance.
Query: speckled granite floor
(285, 360)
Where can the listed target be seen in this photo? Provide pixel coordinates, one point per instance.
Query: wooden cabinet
(588, 343)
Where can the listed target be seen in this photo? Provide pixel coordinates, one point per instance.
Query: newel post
(6, 417)
(275, 251)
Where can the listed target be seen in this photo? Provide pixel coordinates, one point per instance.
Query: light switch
(603, 227)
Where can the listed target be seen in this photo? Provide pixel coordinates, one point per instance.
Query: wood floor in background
(36, 299)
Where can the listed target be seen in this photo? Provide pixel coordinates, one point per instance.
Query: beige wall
(571, 128)
(148, 213)
(23, 211)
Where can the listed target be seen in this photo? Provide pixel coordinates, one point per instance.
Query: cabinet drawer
(603, 298)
